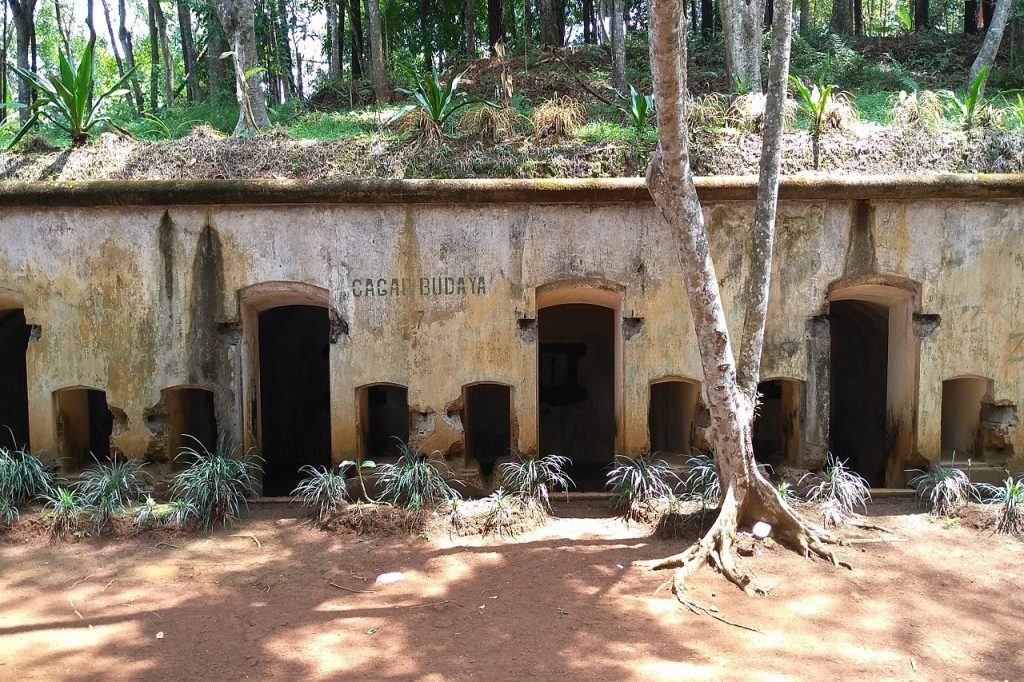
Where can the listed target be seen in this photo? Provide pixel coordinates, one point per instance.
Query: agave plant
(434, 104)
(945, 489)
(703, 483)
(638, 483)
(64, 509)
(840, 491)
(535, 478)
(637, 108)
(417, 480)
(64, 100)
(968, 107)
(217, 484)
(1007, 500)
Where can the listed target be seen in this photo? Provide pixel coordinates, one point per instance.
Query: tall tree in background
(495, 22)
(129, 54)
(165, 52)
(469, 27)
(921, 20)
(236, 18)
(747, 496)
(356, 52)
(742, 28)
(842, 17)
(618, 35)
(378, 73)
(188, 51)
(24, 14)
(990, 45)
(549, 36)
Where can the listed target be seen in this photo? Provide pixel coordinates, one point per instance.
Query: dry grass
(557, 119)
(418, 124)
(707, 111)
(746, 112)
(492, 125)
(840, 114)
(922, 108)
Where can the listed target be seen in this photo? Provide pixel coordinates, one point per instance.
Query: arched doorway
(873, 363)
(671, 415)
(14, 338)
(579, 370)
(287, 368)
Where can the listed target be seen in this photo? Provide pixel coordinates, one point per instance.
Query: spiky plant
(180, 512)
(636, 107)
(434, 105)
(557, 118)
(121, 482)
(968, 107)
(825, 108)
(535, 478)
(102, 511)
(943, 489)
(322, 490)
(8, 512)
(637, 484)
(839, 491)
(502, 507)
(147, 514)
(702, 482)
(417, 480)
(23, 475)
(920, 107)
(217, 484)
(64, 509)
(492, 124)
(788, 492)
(1007, 502)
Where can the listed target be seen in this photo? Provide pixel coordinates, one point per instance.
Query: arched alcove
(191, 417)
(383, 420)
(487, 423)
(778, 421)
(14, 338)
(84, 426)
(670, 417)
(961, 416)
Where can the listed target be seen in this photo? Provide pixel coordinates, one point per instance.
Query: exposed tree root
(761, 503)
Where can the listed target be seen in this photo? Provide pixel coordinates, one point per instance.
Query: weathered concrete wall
(438, 295)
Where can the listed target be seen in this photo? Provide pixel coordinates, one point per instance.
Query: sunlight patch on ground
(811, 605)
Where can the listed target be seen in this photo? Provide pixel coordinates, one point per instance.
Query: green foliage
(824, 108)
(217, 484)
(702, 482)
(181, 512)
(968, 107)
(919, 107)
(23, 476)
(944, 489)
(535, 478)
(1007, 501)
(417, 480)
(324, 490)
(147, 514)
(502, 508)
(637, 108)
(64, 509)
(1015, 111)
(638, 483)
(64, 100)
(788, 493)
(120, 482)
(839, 491)
(8, 512)
(434, 104)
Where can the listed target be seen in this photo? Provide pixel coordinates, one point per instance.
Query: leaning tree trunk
(747, 496)
(990, 46)
(23, 13)
(742, 26)
(618, 47)
(377, 72)
(236, 17)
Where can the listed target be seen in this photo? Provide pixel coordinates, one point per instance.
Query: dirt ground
(938, 602)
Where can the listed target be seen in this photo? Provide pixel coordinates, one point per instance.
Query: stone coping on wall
(113, 193)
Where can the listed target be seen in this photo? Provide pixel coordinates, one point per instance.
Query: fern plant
(417, 480)
(217, 484)
(64, 100)
(535, 478)
(637, 484)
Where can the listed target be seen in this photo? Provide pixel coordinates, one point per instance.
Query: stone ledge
(113, 193)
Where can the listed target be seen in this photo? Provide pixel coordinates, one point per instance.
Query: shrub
(788, 493)
(416, 480)
(502, 507)
(557, 118)
(707, 111)
(435, 104)
(181, 512)
(971, 106)
(536, 478)
(492, 124)
(1007, 502)
(702, 482)
(148, 514)
(636, 107)
(64, 509)
(945, 489)
(1015, 111)
(840, 491)
(216, 483)
(23, 475)
(64, 100)
(120, 481)
(637, 484)
(826, 108)
(325, 490)
(8, 512)
(920, 107)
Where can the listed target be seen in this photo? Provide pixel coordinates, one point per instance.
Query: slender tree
(842, 17)
(990, 45)
(356, 24)
(747, 496)
(495, 22)
(549, 36)
(381, 90)
(618, 36)
(188, 50)
(742, 26)
(469, 27)
(236, 18)
(129, 54)
(62, 28)
(23, 13)
(921, 9)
